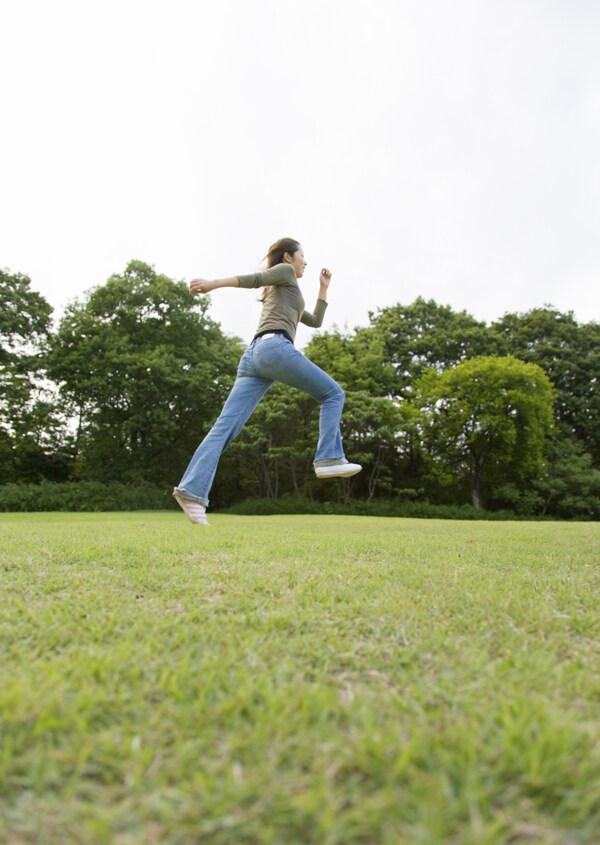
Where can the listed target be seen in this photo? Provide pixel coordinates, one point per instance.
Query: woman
(270, 357)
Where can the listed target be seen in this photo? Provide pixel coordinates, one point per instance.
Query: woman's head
(287, 251)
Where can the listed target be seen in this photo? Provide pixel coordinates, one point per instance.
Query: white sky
(442, 148)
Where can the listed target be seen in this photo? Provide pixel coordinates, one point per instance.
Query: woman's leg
(293, 368)
(243, 399)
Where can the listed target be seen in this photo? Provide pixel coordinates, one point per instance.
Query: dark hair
(275, 256)
(278, 250)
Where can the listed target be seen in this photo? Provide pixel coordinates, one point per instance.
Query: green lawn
(298, 679)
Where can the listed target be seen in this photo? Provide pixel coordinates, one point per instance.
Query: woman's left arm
(315, 320)
(324, 282)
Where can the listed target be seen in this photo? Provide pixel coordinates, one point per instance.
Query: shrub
(377, 507)
(267, 507)
(84, 496)
(115, 496)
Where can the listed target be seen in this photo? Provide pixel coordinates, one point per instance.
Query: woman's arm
(205, 286)
(315, 320)
(324, 282)
(281, 274)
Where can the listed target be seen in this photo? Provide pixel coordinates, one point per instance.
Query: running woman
(270, 357)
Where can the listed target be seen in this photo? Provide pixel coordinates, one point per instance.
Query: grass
(298, 679)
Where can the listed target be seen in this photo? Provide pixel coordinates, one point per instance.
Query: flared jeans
(267, 360)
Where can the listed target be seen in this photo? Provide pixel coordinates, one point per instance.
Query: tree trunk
(264, 483)
(374, 475)
(548, 500)
(475, 479)
(476, 491)
(294, 478)
(79, 433)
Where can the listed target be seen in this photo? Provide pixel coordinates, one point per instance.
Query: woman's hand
(201, 286)
(325, 277)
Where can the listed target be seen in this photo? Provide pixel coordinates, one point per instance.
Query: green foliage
(570, 355)
(145, 371)
(84, 496)
(483, 419)
(571, 485)
(298, 680)
(357, 362)
(24, 318)
(275, 451)
(568, 488)
(401, 506)
(33, 439)
(41, 445)
(423, 335)
(371, 428)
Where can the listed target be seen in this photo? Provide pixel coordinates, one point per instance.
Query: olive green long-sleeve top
(283, 308)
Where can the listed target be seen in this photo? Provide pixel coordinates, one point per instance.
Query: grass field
(298, 680)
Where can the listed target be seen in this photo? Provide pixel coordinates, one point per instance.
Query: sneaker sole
(324, 474)
(182, 504)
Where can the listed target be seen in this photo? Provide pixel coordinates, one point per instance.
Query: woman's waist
(266, 333)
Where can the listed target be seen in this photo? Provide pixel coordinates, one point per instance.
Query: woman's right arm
(281, 274)
(205, 286)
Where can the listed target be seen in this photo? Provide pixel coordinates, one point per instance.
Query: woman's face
(297, 261)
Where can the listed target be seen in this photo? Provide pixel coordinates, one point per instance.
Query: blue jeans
(267, 359)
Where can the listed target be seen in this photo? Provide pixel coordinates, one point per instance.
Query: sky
(448, 150)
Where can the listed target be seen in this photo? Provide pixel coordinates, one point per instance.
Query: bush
(94, 496)
(377, 507)
(84, 496)
(285, 504)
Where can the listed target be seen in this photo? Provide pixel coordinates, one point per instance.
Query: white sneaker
(194, 511)
(343, 469)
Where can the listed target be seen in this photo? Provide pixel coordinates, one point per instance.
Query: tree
(569, 487)
(274, 452)
(570, 356)
(356, 362)
(416, 337)
(144, 371)
(32, 433)
(372, 429)
(276, 449)
(484, 421)
(387, 358)
(24, 318)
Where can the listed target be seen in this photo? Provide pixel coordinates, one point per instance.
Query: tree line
(440, 407)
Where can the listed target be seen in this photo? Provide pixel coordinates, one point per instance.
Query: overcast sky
(449, 150)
